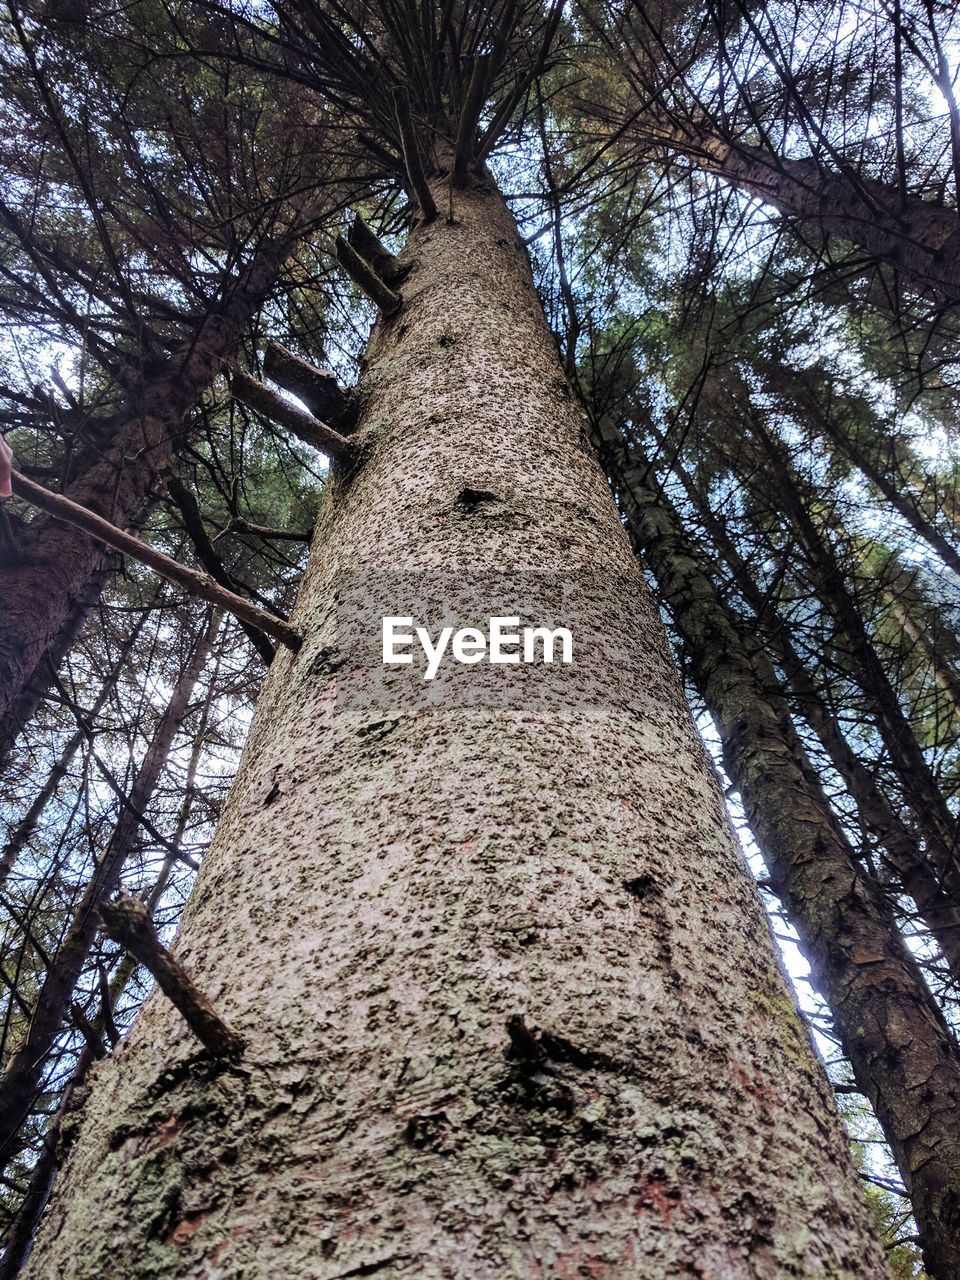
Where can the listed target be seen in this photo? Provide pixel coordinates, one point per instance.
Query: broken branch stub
(362, 274)
(128, 922)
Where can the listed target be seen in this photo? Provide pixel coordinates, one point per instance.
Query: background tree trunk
(511, 1001)
(23, 1075)
(932, 814)
(858, 959)
(37, 626)
(901, 847)
(918, 239)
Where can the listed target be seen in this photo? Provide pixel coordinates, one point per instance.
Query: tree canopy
(743, 225)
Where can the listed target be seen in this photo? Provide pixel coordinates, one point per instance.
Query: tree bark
(23, 706)
(511, 1002)
(945, 676)
(903, 1056)
(19, 1239)
(919, 239)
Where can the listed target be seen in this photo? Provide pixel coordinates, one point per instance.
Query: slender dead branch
(268, 532)
(192, 580)
(88, 1031)
(127, 922)
(189, 509)
(304, 425)
(362, 273)
(413, 159)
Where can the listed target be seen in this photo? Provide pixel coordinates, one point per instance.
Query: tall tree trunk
(946, 678)
(22, 1233)
(893, 487)
(902, 1054)
(931, 812)
(27, 697)
(900, 846)
(24, 1073)
(511, 1003)
(917, 238)
(23, 830)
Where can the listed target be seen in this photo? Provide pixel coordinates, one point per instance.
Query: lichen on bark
(472, 1048)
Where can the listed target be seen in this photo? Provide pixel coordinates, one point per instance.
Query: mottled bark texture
(511, 1003)
(903, 1056)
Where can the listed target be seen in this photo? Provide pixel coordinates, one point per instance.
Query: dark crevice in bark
(469, 501)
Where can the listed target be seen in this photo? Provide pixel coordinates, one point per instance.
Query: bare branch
(198, 584)
(303, 425)
(317, 388)
(362, 273)
(470, 117)
(413, 159)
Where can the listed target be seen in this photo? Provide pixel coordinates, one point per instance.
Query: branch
(918, 239)
(128, 922)
(371, 247)
(470, 117)
(362, 273)
(140, 816)
(504, 112)
(303, 425)
(317, 388)
(193, 523)
(413, 159)
(267, 532)
(88, 1031)
(198, 584)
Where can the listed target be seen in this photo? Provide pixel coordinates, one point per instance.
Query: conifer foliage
(271, 283)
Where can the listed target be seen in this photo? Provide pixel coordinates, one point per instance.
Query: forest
(328, 322)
